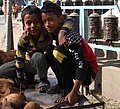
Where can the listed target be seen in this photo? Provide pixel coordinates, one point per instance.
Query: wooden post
(5, 7)
(9, 29)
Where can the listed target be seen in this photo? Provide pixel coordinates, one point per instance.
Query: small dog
(7, 56)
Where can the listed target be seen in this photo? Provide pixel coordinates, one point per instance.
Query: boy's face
(32, 24)
(52, 22)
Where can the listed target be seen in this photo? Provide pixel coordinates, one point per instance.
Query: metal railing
(83, 23)
(83, 16)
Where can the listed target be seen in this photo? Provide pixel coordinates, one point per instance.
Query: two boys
(32, 46)
(71, 58)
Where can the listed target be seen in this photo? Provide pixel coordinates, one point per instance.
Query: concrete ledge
(111, 82)
(107, 82)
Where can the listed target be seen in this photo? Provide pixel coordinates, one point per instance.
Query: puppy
(6, 56)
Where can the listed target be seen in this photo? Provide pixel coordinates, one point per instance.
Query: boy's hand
(71, 98)
(61, 37)
(25, 34)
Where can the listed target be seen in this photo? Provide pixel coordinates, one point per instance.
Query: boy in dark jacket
(72, 58)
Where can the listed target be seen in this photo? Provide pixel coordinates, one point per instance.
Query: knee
(58, 54)
(37, 57)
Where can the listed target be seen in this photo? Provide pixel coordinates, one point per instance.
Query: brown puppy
(6, 56)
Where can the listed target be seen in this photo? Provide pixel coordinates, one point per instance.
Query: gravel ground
(109, 103)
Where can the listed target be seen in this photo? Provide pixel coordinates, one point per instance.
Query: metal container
(110, 28)
(75, 18)
(94, 26)
(88, 3)
(107, 2)
(97, 3)
(67, 3)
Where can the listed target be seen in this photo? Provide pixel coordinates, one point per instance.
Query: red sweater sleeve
(89, 55)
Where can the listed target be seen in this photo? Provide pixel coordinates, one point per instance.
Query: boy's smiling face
(32, 24)
(52, 22)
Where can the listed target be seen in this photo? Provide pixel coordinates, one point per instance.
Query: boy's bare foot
(60, 100)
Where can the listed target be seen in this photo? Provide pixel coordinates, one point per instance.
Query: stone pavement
(45, 100)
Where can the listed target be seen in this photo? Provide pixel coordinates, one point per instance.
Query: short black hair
(50, 7)
(31, 10)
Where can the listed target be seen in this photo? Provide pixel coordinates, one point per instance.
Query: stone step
(107, 81)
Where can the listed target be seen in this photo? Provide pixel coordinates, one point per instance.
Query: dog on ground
(7, 56)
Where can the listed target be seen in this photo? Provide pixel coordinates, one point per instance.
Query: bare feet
(60, 100)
